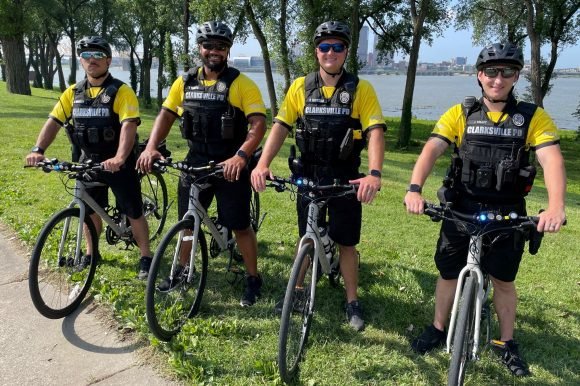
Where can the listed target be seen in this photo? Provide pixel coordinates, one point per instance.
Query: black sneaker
(144, 265)
(298, 302)
(252, 291)
(510, 356)
(430, 339)
(178, 276)
(354, 315)
(86, 261)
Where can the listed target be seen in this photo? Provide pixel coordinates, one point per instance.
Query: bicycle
(471, 305)
(174, 292)
(317, 255)
(59, 275)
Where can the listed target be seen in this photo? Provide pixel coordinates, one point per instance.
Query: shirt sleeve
(174, 100)
(543, 131)
(450, 125)
(63, 108)
(126, 104)
(293, 104)
(366, 107)
(245, 95)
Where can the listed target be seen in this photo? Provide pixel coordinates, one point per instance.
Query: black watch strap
(242, 154)
(375, 173)
(37, 149)
(415, 188)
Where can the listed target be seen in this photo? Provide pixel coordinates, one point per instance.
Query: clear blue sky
(452, 44)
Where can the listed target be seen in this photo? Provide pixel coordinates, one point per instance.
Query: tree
(12, 29)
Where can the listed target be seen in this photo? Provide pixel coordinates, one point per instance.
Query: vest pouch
(93, 135)
(467, 175)
(186, 126)
(346, 146)
(506, 173)
(301, 136)
(227, 129)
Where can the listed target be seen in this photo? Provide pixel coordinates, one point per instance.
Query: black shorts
(502, 260)
(126, 187)
(233, 199)
(344, 218)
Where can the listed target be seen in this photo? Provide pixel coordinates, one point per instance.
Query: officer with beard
(223, 120)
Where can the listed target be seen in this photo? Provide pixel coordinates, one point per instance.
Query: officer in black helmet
(101, 115)
(336, 115)
(492, 170)
(223, 120)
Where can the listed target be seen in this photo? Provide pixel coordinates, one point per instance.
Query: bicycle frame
(313, 234)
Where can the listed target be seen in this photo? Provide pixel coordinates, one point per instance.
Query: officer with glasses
(336, 116)
(101, 115)
(223, 120)
(491, 169)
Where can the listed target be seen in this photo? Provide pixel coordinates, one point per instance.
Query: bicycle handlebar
(310, 185)
(54, 165)
(210, 169)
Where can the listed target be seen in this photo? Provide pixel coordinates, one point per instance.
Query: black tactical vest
(213, 127)
(96, 128)
(494, 163)
(329, 139)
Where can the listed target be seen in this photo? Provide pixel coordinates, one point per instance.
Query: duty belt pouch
(227, 126)
(346, 145)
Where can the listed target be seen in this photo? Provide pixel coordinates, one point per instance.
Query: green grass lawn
(228, 345)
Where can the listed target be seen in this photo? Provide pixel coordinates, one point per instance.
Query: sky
(451, 45)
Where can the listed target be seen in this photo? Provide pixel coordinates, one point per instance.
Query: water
(433, 95)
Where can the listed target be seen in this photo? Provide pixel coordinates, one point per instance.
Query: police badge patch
(344, 97)
(105, 98)
(518, 119)
(221, 86)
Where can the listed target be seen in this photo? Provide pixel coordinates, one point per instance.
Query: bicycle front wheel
(463, 337)
(58, 278)
(154, 196)
(255, 211)
(172, 294)
(297, 314)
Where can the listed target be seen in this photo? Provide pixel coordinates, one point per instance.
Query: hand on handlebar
(368, 187)
(113, 164)
(259, 176)
(551, 220)
(232, 167)
(33, 158)
(414, 202)
(146, 159)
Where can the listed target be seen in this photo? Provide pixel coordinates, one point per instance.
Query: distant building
(460, 60)
(363, 45)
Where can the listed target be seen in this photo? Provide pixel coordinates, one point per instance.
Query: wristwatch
(375, 173)
(242, 154)
(37, 149)
(414, 188)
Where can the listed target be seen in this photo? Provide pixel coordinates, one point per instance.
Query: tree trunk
(284, 53)
(160, 77)
(259, 34)
(146, 71)
(53, 43)
(353, 65)
(535, 14)
(15, 60)
(185, 29)
(133, 71)
(2, 66)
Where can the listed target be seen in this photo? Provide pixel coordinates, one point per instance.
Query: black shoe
(178, 277)
(510, 356)
(354, 315)
(144, 265)
(430, 339)
(252, 291)
(298, 302)
(86, 261)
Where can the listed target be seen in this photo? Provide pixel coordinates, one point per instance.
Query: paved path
(81, 349)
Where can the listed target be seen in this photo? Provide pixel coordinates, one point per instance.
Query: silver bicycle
(60, 274)
(471, 305)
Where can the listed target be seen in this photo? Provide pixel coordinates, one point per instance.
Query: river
(433, 94)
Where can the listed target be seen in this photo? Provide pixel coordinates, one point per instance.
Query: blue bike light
(299, 181)
(482, 217)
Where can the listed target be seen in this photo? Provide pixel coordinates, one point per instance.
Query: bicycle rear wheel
(59, 279)
(463, 337)
(171, 298)
(154, 196)
(255, 219)
(297, 315)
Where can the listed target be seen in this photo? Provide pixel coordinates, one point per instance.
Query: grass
(227, 345)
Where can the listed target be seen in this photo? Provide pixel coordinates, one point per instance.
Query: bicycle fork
(472, 267)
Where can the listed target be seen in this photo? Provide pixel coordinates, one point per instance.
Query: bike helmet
(332, 29)
(500, 53)
(214, 30)
(94, 43)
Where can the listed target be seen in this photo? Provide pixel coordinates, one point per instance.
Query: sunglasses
(506, 72)
(336, 47)
(93, 54)
(214, 46)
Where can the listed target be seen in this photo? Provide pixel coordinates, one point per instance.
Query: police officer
(337, 114)
(223, 120)
(101, 115)
(492, 137)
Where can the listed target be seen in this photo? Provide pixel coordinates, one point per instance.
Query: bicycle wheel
(58, 278)
(463, 337)
(170, 302)
(154, 196)
(255, 211)
(296, 315)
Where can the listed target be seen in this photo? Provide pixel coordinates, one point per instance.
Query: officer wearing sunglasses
(336, 116)
(492, 168)
(101, 115)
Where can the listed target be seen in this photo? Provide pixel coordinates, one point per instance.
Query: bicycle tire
(463, 336)
(155, 202)
(57, 280)
(255, 211)
(296, 318)
(167, 310)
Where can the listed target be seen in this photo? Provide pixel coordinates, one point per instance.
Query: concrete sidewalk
(81, 349)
